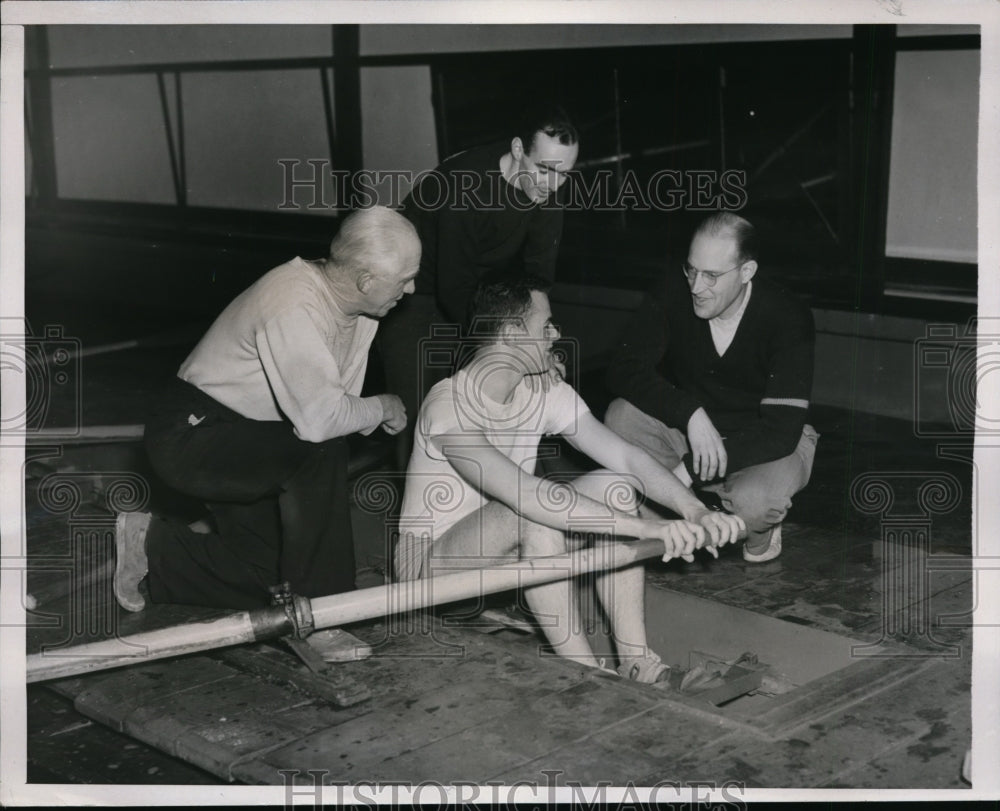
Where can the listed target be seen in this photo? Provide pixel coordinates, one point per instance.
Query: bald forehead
(401, 238)
(397, 257)
(719, 245)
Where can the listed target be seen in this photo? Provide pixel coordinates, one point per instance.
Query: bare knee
(538, 540)
(760, 508)
(617, 417)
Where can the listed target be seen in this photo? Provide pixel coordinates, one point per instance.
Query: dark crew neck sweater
(668, 366)
(472, 222)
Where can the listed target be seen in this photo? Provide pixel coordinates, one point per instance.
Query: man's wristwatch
(711, 500)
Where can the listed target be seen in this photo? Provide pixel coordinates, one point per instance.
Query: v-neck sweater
(668, 366)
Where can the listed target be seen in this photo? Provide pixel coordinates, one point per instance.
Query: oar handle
(334, 610)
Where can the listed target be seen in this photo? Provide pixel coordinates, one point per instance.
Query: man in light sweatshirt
(255, 425)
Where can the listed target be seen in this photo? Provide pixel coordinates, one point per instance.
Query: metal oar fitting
(288, 615)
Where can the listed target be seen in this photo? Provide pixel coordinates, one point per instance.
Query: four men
(713, 382)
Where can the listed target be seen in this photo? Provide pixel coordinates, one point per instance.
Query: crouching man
(255, 425)
(713, 378)
(471, 499)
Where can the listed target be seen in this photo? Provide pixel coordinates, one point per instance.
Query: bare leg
(496, 534)
(621, 591)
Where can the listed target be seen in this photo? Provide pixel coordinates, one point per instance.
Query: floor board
(453, 703)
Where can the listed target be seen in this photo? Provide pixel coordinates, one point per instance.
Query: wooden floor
(898, 573)
(455, 704)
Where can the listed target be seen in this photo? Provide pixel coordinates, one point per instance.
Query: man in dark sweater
(492, 209)
(714, 379)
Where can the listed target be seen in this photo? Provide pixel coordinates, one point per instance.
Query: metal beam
(39, 91)
(347, 98)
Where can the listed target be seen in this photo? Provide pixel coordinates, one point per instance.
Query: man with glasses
(714, 379)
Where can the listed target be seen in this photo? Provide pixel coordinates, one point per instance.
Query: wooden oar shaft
(140, 648)
(334, 610)
(354, 606)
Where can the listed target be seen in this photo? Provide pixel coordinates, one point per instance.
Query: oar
(332, 611)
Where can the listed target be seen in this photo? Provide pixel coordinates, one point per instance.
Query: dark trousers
(414, 359)
(280, 506)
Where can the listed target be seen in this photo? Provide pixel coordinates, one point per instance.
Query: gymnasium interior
(167, 167)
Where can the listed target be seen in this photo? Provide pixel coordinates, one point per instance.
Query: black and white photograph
(475, 403)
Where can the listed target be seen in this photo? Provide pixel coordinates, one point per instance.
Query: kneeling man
(255, 425)
(471, 499)
(714, 378)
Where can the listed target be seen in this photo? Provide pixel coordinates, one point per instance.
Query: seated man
(471, 499)
(255, 425)
(714, 377)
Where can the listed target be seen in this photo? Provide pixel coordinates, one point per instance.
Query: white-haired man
(472, 500)
(255, 426)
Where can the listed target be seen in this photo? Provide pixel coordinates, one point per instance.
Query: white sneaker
(647, 670)
(770, 553)
(337, 645)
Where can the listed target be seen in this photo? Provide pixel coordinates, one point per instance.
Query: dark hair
(550, 119)
(500, 299)
(725, 223)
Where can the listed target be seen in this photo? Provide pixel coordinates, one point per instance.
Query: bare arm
(608, 449)
(496, 476)
(556, 505)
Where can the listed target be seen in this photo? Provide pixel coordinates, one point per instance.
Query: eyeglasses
(710, 276)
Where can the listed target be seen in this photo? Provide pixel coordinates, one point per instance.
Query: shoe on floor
(337, 645)
(131, 564)
(770, 552)
(647, 670)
